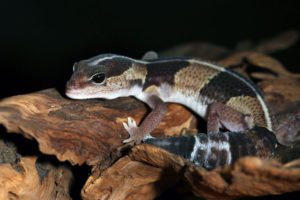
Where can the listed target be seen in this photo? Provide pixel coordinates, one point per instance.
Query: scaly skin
(222, 97)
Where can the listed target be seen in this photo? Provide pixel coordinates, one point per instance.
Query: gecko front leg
(137, 134)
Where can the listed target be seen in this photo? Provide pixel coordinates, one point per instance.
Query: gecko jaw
(89, 93)
(73, 94)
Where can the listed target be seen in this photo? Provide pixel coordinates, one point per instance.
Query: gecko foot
(135, 133)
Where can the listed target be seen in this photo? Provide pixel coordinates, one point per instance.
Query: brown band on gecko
(162, 72)
(225, 86)
(116, 66)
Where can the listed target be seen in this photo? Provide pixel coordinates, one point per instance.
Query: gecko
(238, 119)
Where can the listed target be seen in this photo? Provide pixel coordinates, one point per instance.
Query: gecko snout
(72, 86)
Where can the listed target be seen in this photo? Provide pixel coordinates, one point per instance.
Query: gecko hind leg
(220, 115)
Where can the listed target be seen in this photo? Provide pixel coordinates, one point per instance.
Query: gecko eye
(98, 78)
(75, 67)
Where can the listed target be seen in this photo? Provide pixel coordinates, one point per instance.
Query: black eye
(98, 78)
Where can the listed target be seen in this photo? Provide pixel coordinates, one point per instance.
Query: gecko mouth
(73, 94)
(85, 93)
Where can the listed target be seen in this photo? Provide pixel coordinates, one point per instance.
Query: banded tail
(219, 149)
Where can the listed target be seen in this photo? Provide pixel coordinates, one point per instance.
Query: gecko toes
(132, 130)
(128, 140)
(126, 126)
(136, 135)
(130, 124)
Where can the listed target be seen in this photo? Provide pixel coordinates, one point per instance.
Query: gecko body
(222, 97)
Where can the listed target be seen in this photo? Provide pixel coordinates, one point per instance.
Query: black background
(40, 40)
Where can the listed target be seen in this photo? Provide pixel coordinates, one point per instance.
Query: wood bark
(82, 131)
(23, 177)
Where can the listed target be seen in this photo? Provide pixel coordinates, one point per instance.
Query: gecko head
(105, 76)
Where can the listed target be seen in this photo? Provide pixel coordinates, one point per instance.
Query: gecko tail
(219, 149)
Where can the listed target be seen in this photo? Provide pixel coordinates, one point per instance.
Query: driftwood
(81, 131)
(91, 132)
(27, 178)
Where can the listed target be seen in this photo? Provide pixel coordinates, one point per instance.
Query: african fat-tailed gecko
(222, 97)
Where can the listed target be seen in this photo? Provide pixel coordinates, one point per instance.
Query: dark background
(40, 40)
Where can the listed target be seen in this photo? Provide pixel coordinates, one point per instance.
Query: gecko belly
(189, 102)
(168, 94)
